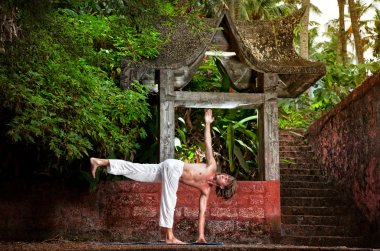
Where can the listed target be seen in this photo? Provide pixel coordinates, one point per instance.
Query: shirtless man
(170, 172)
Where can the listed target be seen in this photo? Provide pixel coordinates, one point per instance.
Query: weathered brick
(251, 212)
(147, 212)
(191, 213)
(115, 213)
(151, 199)
(222, 212)
(252, 187)
(346, 140)
(256, 200)
(218, 226)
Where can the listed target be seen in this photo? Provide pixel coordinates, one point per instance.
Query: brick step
(297, 155)
(316, 211)
(307, 178)
(303, 163)
(302, 148)
(291, 136)
(308, 192)
(306, 165)
(300, 171)
(323, 241)
(315, 230)
(285, 142)
(330, 220)
(312, 201)
(303, 184)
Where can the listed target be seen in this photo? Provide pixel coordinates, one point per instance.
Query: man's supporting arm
(201, 217)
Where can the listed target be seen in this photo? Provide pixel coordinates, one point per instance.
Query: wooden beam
(167, 114)
(221, 100)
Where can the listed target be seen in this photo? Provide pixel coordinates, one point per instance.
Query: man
(202, 176)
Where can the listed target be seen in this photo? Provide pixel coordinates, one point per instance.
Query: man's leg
(95, 163)
(171, 172)
(135, 171)
(169, 237)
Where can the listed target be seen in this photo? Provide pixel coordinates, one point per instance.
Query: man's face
(223, 180)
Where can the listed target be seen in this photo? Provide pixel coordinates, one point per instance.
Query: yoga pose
(170, 172)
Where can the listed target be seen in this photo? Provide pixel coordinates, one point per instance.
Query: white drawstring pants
(167, 172)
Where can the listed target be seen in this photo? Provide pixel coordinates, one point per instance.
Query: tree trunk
(356, 31)
(231, 8)
(342, 45)
(304, 33)
(237, 9)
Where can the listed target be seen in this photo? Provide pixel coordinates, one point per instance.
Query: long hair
(228, 191)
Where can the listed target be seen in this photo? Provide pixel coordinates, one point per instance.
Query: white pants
(167, 172)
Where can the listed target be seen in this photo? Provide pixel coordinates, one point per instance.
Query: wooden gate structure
(264, 67)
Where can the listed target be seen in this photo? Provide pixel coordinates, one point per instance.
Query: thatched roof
(184, 44)
(263, 46)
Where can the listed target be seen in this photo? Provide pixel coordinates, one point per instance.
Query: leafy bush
(60, 83)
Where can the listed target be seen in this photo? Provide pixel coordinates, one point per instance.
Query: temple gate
(263, 67)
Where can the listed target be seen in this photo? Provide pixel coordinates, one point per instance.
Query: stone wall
(347, 144)
(128, 211)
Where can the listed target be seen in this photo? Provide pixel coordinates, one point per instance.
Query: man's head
(225, 186)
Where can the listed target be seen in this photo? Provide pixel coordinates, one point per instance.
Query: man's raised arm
(208, 142)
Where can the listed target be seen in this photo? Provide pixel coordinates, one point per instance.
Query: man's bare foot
(174, 241)
(94, 166)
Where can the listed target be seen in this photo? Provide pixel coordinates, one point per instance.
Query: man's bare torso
(198, 175)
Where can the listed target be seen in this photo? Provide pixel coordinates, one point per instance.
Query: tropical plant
(235, 142)
(59, 84)
(376, 35)
(342, 52)
(241, 141)
(264, 9)
(188, 150)
(207, 77)
(296, 112)
(356, 31)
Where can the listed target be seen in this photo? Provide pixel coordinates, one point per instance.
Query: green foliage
(376, 35)
(241, 140)
(339, 80)
(140, 12)
(207, 77)
(264, 9)
(111, 38)
(330, 90)
(60, 82)
(235, 141)
(296, 113)
(187, 149)
(234, 131)
(150, 144)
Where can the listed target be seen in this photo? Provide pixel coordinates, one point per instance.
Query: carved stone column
(167, 114)
(268, 131)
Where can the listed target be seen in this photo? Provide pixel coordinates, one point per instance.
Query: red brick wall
(347, 143)
(128, 211)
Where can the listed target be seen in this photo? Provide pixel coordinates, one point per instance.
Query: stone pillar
(268, 131)
(167, 114)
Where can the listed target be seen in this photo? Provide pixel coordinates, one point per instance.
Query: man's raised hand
(208, 116)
